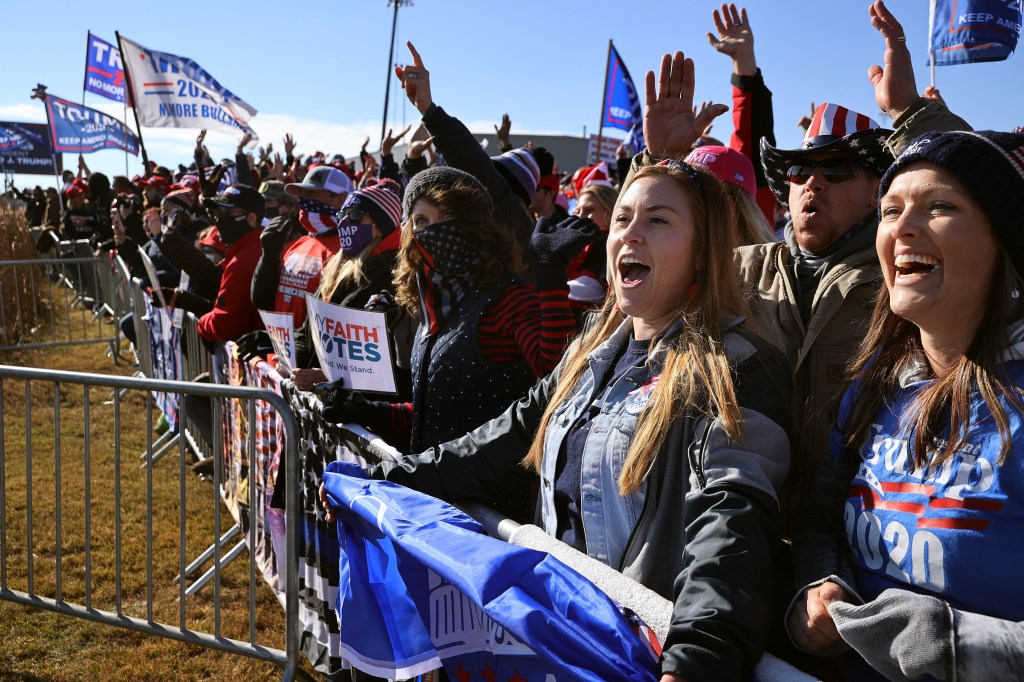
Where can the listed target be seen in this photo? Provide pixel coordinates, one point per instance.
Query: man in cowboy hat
(815, 291)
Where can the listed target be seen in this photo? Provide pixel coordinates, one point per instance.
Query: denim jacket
(609, 517)
(704, 527)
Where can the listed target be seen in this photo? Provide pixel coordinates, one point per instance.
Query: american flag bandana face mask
(317, 217)
(447, 271)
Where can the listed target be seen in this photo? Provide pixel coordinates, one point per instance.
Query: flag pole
(931, 39)
(53, 154)
(85, 78)
(391, 60)
(604, 94)
(135, 110)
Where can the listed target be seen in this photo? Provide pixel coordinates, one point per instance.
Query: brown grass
(39, 645)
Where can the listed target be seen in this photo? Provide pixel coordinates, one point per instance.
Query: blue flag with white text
(622, 107)
(968, 31)
(104, 73)
(423, 586)
(76, 128)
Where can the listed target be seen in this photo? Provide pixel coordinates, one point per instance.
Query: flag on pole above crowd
(174, 92)
(77, 128)
(104, 73)
(622, 108)
(968, 31)
(423, 586)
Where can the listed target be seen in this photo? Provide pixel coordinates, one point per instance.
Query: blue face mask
(354, 237)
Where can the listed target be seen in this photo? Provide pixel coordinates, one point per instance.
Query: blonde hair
(344, 273)
(751, 224)
(605, 195)
(696, 374)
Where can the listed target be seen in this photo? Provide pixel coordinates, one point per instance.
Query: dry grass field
(40, 645)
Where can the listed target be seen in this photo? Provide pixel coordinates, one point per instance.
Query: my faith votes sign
(352, 345)
(174, 92)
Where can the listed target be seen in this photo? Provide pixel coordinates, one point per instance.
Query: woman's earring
(694, 289)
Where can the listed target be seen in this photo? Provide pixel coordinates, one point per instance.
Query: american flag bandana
(448, 269)
(317, 217)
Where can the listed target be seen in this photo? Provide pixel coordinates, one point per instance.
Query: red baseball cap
(726, 164)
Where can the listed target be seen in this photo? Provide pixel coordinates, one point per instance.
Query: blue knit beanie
(990, 166)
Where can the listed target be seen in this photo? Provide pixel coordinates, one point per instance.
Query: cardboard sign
(281, 330)
(352, 345)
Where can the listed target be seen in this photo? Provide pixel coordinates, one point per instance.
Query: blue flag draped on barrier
(422, 585)
(76, 128)
(622, 107)
(968, 31)
(104, 73)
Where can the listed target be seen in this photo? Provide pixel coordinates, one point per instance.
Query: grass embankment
(40, 645)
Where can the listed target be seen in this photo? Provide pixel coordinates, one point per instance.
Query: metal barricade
(38, 306)
(71, 566)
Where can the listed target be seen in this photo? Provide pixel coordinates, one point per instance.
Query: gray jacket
(707, 530)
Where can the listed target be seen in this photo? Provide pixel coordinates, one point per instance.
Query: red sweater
(233, 313)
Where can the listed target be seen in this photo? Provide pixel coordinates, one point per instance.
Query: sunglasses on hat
(833, 171)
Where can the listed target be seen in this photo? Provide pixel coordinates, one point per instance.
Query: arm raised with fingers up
(895, 88)
(670, 126)
(415, 81)
(735, 38)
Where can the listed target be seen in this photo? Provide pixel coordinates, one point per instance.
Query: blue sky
(317, 69)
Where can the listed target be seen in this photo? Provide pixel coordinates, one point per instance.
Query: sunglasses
(832, 171)
(354, 215)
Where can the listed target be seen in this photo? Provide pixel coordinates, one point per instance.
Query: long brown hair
(696, 374)
(893, 346)
(470, 210)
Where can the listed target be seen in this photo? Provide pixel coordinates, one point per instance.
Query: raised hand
(365, 143)
(246, 139)
(391, 140)
(670, 126)
(503, 131)
(200, 139)
(932, 93)
(895, 88)
(805, 121)
(415, 81)
(289, 144)
(735, 38)
(418, 147)
(697, 112)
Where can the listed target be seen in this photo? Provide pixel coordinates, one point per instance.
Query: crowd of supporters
(781, 387)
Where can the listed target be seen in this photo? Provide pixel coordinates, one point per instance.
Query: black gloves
(254, 344)
(553, 247)
(340, 405)
(276, 235)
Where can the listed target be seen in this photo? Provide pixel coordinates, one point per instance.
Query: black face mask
(231, 229)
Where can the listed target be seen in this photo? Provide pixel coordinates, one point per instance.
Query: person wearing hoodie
(924, 472)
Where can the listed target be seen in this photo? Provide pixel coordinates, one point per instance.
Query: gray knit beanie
(990, 166)
(432, 177)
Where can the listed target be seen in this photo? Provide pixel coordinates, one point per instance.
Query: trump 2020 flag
(174, 92)
(968, 31)
(76, 128)
(104, 73)
(421, 585)
(622, 108)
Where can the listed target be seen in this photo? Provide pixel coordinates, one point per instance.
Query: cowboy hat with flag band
(833, 129)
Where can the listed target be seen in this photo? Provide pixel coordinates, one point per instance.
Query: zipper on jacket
(695, 452)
